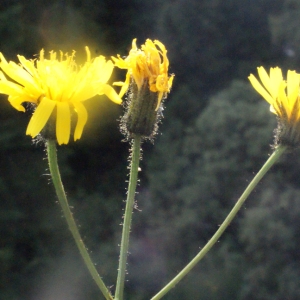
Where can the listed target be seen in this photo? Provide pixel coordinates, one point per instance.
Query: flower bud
(148, 83)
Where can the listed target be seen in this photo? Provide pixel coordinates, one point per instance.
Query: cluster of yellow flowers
(57, 86)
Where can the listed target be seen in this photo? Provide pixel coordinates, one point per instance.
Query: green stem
(135, 158)
(272, 159)
(55, 174)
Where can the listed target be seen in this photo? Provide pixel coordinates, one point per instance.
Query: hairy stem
(269, 163)
(55, 174)
(135, 158)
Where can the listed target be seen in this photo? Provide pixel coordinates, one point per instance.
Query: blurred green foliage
(215, 135)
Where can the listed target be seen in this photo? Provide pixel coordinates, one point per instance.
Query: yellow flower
(282, 95)
(56, 86)
(150, 63)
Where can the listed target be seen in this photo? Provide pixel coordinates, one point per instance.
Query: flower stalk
(56, 178)
(268, 164)
(135, 158)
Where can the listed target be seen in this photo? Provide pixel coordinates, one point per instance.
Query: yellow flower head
(150, 63)
(281, 94)
(56, 86)
(283, 97)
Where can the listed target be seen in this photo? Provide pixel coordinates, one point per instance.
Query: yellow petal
(162, 83)
(258, 87)
(276, 77)
(110, 93)
(118, 83)
(15, 72)
(27, 65)
(106, 71)
(170, 81)
(10, 88)
(125, 85)
(265, 79)
(120, 62)
(16, 102)
(160, 95)
(2, 77)
(63, 123)
(282, 98)
(292, 87)
(160, 45)
(275, 81)
(81, 120)
(40, 117)
(85, 93)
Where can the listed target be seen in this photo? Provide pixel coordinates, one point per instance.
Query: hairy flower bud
(148, 83)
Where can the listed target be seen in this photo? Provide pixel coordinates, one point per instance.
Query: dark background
(216, 134)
